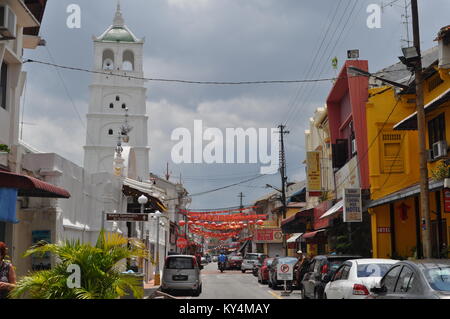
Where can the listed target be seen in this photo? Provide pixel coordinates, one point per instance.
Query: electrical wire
(179, 80)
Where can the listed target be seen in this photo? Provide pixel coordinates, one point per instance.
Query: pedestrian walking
(7, 273)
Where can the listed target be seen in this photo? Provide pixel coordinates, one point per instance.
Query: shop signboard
(41, 262)
(314, 178)
(269, 235)
(447, 200)
(127, 217)
(352, 205)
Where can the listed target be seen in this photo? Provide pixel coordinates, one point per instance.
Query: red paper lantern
(190, 222)
(181, 223)
(260, 222)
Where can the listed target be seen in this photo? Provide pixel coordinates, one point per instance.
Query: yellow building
(394, 164)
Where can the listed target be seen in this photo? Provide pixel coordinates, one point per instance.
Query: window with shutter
(392, 154)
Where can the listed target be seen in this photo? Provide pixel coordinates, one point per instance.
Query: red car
(263, 272)
(234, 262)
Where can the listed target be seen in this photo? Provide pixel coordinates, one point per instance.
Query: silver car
(181, 272)
(250, 259)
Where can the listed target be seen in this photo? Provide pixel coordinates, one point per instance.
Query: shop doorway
(439, 239)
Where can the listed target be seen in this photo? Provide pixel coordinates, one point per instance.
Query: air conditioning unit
(439, 149)
(8, 21)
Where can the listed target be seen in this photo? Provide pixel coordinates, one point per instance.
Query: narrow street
(233, 284)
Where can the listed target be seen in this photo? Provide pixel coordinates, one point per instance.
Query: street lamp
(354, 71)
(142, 200)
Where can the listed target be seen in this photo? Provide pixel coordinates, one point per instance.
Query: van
(181, 272)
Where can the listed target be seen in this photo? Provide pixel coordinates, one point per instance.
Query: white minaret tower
(117, 52)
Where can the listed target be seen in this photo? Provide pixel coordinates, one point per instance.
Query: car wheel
(243, 271)
(325, 296)
(270, 284)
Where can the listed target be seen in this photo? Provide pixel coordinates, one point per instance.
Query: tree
(100, 276)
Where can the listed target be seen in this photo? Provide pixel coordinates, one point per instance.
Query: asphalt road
(233, 284)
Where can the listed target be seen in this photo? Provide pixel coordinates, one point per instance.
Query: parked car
(249, 260)
(274, 282)
(181, 272)
(355, 277)
(234, 262)
(263, 271)
(419, 279)
(319, 272)
(258, 265)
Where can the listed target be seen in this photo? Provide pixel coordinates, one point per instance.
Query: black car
(320, 270)
(274, 282)
(419, 279)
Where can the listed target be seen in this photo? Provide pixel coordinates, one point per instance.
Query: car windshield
(251, 257)
(180, 263)
(334, 265)
(373, 270)
(438, 278)
(288, 260)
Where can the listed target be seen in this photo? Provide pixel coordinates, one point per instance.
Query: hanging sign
(127, 217)
(352, 205)
(314, 185)
(447, 200)
(182, 242)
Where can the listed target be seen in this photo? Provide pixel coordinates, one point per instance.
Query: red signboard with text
(447, 200)
(269, 235)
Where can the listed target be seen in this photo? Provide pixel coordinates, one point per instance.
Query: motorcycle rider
(222, 259)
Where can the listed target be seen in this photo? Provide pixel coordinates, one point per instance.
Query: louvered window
(392, 154)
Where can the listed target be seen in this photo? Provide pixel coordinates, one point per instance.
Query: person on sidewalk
(7, 273)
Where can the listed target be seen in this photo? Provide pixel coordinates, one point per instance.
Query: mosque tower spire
(118, 18)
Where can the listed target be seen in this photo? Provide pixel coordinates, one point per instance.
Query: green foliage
(4, 148)
(100, 274)
(441, 171)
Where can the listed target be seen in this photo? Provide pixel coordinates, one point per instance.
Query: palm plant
(100, 278)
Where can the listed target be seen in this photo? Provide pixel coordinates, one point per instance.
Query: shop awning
(132, 187)
(410, 122)
(312, 234)
(334, 210)
(294, 237)
(297, 223)
(30, 186)
(413, 190)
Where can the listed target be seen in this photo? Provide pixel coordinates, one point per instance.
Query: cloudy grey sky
(213, 40)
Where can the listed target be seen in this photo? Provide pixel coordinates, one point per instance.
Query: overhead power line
(179, 80)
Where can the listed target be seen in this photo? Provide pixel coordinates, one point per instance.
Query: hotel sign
(314, 178)
(352, 205)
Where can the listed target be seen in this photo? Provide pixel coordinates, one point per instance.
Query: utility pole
(424, 186)
(283, 167)
(283, 177)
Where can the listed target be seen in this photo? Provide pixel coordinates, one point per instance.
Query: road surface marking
(274, 294)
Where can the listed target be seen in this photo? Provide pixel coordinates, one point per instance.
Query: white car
(355, 277)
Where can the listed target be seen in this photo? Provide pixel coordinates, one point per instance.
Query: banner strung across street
(352, 205)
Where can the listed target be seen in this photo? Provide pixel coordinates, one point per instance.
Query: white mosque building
(119, 53)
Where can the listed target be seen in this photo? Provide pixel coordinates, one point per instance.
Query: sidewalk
(150, 288)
